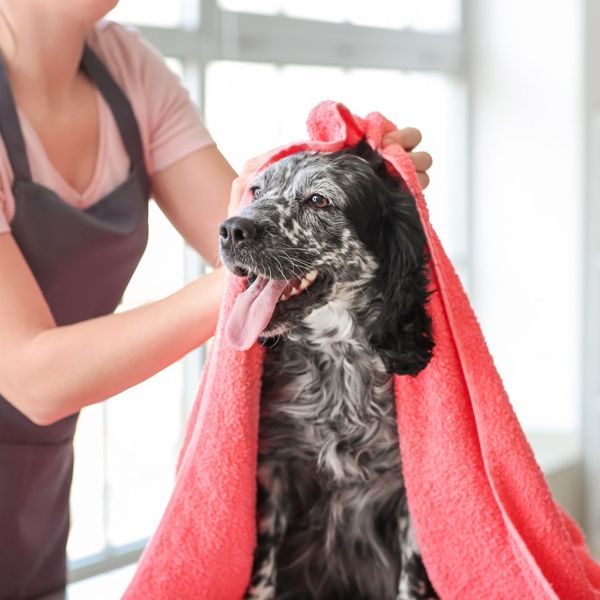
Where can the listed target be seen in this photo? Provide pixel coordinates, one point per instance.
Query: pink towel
(484, 518)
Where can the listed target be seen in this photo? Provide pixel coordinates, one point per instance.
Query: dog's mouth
(263, 301)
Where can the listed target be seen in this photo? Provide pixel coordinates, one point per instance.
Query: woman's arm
(194, 193)
(49, 372)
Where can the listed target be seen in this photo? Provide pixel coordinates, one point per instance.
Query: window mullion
(209, 33)
(285, 40)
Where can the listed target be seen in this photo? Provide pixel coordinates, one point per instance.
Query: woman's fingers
(254, 163)
(408, 138)
(238, 186)
(422, 162)
(423, 180)
(241, 182)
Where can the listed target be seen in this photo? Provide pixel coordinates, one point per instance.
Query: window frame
(591, 302)
(210, 33)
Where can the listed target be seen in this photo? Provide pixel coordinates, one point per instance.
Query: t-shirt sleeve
(170, 123)
(174, 126)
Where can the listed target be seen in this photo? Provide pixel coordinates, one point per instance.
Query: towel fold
(485, 521)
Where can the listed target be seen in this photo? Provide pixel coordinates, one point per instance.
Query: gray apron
(82, 260)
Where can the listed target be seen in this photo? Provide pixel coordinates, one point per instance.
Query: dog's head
(332, 227)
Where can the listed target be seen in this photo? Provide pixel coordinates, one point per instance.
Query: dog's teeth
(308, 279)
(311, 276)
(299, 287)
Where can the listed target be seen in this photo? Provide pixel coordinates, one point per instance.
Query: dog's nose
(236, 230)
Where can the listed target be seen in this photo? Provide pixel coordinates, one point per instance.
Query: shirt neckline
(62, 187)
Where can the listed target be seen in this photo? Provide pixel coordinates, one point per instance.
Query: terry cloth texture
(484, 518)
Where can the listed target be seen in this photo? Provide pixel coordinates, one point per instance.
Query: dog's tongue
(252, 312)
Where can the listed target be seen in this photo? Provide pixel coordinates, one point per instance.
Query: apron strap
(10, 129)
(119, 105)
(11, 132)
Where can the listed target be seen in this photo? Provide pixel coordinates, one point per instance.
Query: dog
(336, 262)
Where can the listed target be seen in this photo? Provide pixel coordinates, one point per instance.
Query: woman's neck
(41, 46)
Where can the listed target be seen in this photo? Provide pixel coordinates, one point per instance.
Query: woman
(91, 123)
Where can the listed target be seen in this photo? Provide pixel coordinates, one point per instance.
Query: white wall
(591, 422)
(527, 165)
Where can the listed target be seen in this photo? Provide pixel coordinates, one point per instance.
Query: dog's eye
(318, 201)
(256, 191)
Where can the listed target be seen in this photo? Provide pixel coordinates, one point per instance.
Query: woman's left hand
(409, 138)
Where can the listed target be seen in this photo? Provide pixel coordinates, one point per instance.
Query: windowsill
(108, 586)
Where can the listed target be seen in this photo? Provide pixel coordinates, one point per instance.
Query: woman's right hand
(49, 372)
(243, 180)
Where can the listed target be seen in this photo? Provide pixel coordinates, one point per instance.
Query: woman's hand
(409, 138)
(241, 182)
(150, 337)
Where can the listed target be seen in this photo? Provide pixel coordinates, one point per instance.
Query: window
(277, 100)
(256, 68)
(126, 448)
(158, 14)
(425, 15)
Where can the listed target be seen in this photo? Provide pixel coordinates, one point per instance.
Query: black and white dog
(335, 257)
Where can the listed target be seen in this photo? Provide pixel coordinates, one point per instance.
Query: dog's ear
(402, 335)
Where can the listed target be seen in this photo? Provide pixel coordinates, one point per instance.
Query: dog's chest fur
(329, 441)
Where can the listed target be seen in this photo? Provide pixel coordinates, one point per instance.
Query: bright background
(505, 94)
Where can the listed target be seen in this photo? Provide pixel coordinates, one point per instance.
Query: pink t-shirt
(169, 123)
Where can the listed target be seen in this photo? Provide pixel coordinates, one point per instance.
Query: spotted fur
(333, 520)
